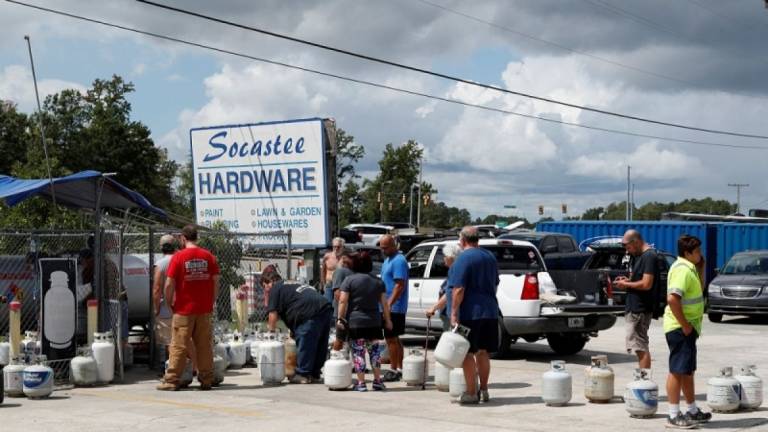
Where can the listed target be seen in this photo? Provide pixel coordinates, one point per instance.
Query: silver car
(741, 287)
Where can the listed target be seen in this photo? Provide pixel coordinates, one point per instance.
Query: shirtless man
(329, 264)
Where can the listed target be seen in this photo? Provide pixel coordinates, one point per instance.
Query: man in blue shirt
(473, 280)
(394, 274)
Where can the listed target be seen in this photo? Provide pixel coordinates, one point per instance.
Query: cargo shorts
(637, 325)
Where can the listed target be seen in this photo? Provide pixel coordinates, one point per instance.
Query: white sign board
(263, 177)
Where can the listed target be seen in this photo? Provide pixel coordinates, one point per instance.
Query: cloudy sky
(696, 62)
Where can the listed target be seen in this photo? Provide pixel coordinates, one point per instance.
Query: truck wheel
(715, 317)
(505, 341)
(566, 343)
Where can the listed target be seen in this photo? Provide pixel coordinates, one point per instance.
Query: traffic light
(378, 196)
(565, 208)
(541, 210)
(390, 205)
(403, 198)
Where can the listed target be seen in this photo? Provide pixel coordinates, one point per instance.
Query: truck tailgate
(580, 309)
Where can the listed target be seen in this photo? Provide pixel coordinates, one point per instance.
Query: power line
(634, 17)
(446, 76)
(384, 86)
(570, 49)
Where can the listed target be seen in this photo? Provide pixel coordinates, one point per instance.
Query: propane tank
(452, 347)
(290, 357)
(337, 372)
(272, 361)
(186, 375)
(31, 345)
(723, 391)
(442, 377)
(413, 368)
(598, 382)
(556, 385)
(641, 396)
(237, 355)
(751, 396)
(219, 369)
(249, 338)
(456, 383)
(104, 352)
(38, 380)
(85, 371)
(256, 347)
(220, 349)
(13, 376)
(5, 352)
(2, 385)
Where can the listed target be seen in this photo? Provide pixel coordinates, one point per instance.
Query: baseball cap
(167, 240)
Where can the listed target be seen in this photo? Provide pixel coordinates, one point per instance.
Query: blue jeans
(328, 294)
(312, 343)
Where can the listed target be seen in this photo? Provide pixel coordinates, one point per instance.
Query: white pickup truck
(524, 311)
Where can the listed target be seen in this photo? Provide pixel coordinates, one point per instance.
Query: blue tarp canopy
(79, 190)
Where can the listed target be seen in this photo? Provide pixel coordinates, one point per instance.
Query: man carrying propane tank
(308, 314)
(471, 291)
(682, 327)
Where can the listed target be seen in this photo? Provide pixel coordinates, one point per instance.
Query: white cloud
(648, 162)
(16, 85)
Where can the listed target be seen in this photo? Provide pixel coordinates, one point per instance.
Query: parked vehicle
(350, 236)
(373, 251)
(741, 287)
(370, 233)
(522, 312)
(559, 250)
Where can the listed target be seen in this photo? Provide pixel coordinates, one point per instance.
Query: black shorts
(367, 333)
(483, 335)
(682, 352)
(398, 325)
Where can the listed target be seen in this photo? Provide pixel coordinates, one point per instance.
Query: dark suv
(741, 287)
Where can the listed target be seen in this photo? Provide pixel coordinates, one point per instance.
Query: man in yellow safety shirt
(682, 327)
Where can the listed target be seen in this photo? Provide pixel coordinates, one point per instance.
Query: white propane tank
(104, 353)
(85, 371)
(337, 372)
(751, 396)
(219, 369)
(641, 396)
(598, 380)
(256, 347)
(251, 336)
(186, 375)
(237, 355)
(31, 346)
(220, 349)
(723, 391)
(456, 383)
(272, 362)
(452, 347)
(556, 385)
(38, 380)
(13, 376)
(413, 368)
(290, 357)
(5, 352)
(442, 377)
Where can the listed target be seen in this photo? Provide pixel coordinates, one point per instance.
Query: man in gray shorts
(641, 289)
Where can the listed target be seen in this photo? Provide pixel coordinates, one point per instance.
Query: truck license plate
(576, 322)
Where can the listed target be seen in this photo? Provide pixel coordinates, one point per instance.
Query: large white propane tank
(220, 349)
(237, 355)
(337, 372)
(31, 345)
(456, 383)
(641, 396)
(85, 371)
(256, 347)
(104, 352)
(13, 376)
(290, 357)
(413, 368)
(249, 338)
(598, 380)
(219, 369)
(272, 361)
(452, 347)
(723, 391)
(186, 375)
(556, 385)
(442, 377)
(5, 352)
(751, 396)
(38, 380)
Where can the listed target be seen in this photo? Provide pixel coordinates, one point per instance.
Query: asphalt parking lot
(515, 397)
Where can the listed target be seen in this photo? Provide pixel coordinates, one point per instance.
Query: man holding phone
(641, 288)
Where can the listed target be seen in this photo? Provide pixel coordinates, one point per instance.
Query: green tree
(593, 213)
(348, 154)
(351, 203)
(14, 136)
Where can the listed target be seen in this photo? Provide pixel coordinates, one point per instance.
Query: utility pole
(40, 122)
(629, 186)
(738, 187)
(418, 205)
(632, 207)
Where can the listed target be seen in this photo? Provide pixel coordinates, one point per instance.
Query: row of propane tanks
(725, 392)
(26, 371)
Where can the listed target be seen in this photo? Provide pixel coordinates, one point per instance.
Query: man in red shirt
(192, 284)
